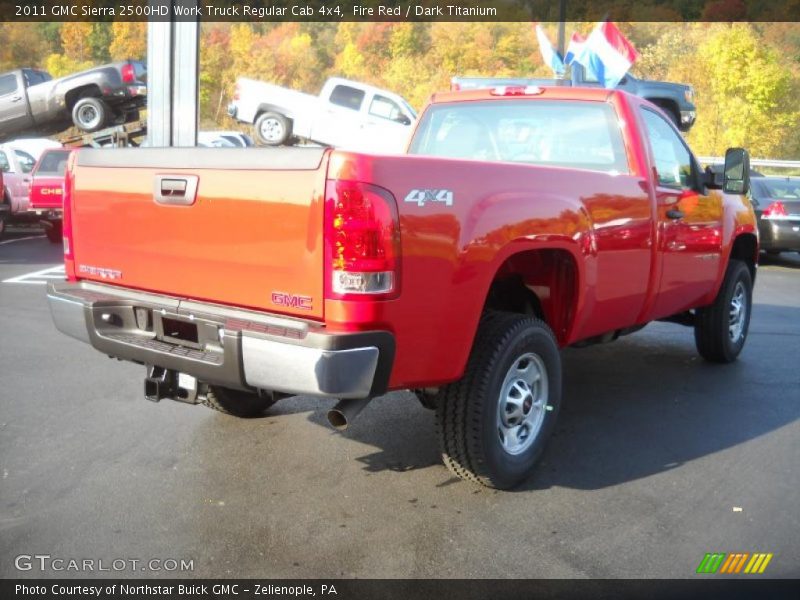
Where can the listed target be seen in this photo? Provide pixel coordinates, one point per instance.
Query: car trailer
(119, 136)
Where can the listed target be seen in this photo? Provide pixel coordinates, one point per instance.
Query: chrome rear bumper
(221, 345)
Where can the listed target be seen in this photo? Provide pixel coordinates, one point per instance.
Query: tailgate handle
(180, 190)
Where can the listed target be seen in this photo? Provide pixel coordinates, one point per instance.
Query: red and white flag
(606, 53)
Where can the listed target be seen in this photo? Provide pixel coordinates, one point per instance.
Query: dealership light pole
(173, 52)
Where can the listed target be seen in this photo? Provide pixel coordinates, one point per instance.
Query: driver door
(689, 220)
(13, 106)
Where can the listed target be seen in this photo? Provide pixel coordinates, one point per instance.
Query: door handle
(16, 98)
(674, 213)
(175, 190)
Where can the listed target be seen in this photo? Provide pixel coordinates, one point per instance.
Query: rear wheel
(90, 114)
(53, 232)
(237, 402)
(720, 330)
(272, 129)
(5, 213)
(493, 424)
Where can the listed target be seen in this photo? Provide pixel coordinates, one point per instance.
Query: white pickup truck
(346, 114)
(16, 165)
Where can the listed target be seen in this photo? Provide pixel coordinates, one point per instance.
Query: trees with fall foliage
(746, 76)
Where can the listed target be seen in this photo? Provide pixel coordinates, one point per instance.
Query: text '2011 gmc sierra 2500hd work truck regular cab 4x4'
(522, 220)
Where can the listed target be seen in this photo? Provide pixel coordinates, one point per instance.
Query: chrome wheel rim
(271, 130)
(88, 116)
(737, 312)
(522, 405)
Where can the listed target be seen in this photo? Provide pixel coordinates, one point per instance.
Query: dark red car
(47, 190)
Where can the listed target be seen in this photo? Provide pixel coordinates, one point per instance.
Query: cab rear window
(577, 134)
(53, 163)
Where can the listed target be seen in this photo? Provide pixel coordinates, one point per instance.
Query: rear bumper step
(223, 346)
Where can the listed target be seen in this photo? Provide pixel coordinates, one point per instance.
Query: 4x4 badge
(420, 197)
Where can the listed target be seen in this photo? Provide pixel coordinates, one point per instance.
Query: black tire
(54, 232)
(468, 413)
(237, 402)
(5, 213)
(426, 400)
(272, 129)
(123, 118)
(718, 337)
(90, 114)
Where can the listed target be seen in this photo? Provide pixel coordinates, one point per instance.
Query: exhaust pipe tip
(337, 419)
(344, 413)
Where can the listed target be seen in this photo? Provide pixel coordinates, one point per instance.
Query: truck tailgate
(251, 236)
(46, 192)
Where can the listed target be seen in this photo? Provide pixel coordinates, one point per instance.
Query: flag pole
(562, 41)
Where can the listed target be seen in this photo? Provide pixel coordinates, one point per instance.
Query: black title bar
(394, 10)
(398, 589)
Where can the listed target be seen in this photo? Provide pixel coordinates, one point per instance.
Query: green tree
(100, 40)
(20, 46)
(749, 98)
(59, 65)
(75, 36)
(129, 40)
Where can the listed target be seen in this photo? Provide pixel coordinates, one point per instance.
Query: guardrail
(754, 162)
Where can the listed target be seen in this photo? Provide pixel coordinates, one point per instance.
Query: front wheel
(90, 114)
(237, 402)
(272, 129)
(720, 330)
(494, 422)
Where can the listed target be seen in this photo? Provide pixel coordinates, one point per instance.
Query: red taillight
(455, 87)
(362, 240)
(66, 225)
(776, 209)
(128, 73)
(236, 92)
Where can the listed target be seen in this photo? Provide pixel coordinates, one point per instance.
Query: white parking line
(39, 277)
(22, 239)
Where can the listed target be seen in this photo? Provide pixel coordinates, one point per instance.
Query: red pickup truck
(47, 189)
(522, 220)
(5, 209)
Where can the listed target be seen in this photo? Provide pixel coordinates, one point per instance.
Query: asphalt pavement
(658, 458)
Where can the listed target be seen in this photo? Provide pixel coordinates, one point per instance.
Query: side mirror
(736, 176)
(403, 120)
